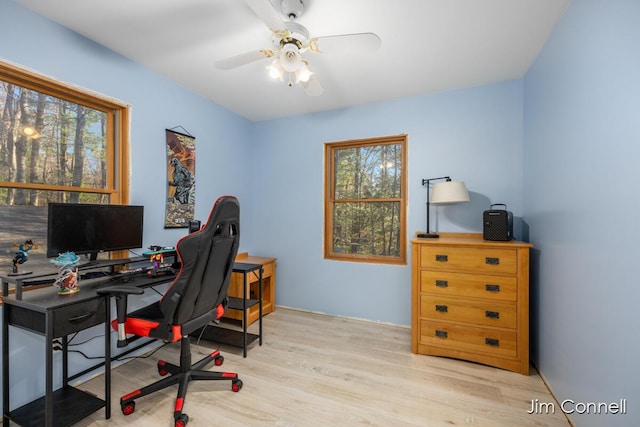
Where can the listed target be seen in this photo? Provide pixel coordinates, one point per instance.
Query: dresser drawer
(469, 338)
(500, 288)
(477, 312)
(473, 260)
(267, 270)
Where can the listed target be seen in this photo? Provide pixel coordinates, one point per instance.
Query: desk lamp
(448, 192)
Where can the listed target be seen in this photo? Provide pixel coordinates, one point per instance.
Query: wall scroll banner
(181, 172)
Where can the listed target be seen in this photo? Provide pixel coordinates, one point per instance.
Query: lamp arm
(426, 182)
(428, 205)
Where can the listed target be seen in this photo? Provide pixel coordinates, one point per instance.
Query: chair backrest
(206, 258)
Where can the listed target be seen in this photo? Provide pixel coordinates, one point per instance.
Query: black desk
(48, 314)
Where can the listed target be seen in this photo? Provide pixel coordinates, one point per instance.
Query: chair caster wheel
(161, 369)
(128, 407)
(182, 420)
(236, 385)
(218, 360)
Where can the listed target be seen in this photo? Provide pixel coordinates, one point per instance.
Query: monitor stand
(22, 273)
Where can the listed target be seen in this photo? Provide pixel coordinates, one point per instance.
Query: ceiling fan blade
(346, 43)
(267, 14)
(312, 87)
(242, 59)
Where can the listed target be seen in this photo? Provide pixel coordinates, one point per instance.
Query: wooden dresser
(470, 300)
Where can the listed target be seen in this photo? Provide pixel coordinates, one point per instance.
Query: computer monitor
(91, 229)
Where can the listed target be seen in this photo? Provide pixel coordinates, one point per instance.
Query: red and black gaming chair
(196, 297)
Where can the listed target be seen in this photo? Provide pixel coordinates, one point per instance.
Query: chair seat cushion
(141, 322)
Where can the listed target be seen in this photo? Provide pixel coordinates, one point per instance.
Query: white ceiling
(427, 46)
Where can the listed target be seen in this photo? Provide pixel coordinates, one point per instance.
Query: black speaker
(194, 225)
(497, 223)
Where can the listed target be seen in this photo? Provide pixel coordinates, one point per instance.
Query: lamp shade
(449, 192)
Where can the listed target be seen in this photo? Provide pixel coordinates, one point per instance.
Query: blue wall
(474, 135)
(582, 144)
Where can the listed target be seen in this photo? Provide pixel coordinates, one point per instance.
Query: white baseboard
(344, 317)
(546, 383)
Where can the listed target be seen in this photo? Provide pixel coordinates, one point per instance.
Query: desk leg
(244, 315)
(48, 367)
(260, 306)
(107, 360)
(19, 289)
(65, 361)
(5, 366)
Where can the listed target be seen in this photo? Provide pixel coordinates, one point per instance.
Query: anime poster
(181, 171)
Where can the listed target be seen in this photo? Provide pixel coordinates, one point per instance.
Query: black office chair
(194, 298)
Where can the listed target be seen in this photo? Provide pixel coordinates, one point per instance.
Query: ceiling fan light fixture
(291, 40)
(289, 58)
(303, 73)
(275, 70)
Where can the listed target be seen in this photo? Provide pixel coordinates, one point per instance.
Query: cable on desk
(144, 356)
(115, 358)
(80, 353)
(135, 253)
(83, 342)
(73, 336)
(200, 337)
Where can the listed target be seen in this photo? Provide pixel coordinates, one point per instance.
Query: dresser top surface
(472, 239)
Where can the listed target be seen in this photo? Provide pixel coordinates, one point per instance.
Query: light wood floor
(317, 370)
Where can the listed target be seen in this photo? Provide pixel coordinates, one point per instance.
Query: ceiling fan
(291, 41)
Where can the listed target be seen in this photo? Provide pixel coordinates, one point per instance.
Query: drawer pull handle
(492, 314)
(492, 261)
(81, 317)
(442, 283)
(442, 258)
(442, 308)
(492, 342)
(492, 288)
(441, 334)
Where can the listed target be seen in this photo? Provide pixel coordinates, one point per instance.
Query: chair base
(181, 375)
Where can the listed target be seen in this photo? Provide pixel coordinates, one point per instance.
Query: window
(57, 144)
(365, 200)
